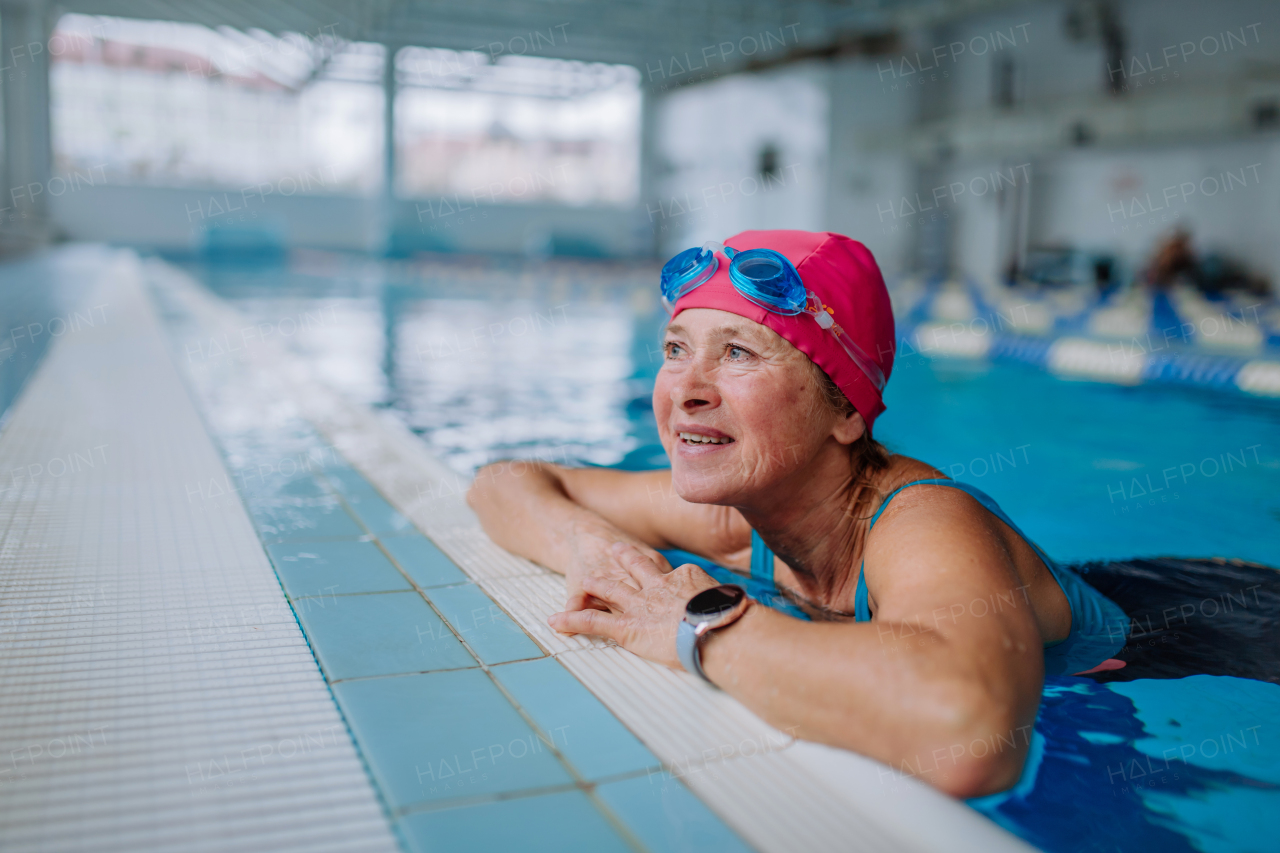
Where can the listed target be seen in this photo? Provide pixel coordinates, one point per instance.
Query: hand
(644, 609)
(594, 557)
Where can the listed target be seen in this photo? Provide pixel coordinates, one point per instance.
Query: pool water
(489, 359)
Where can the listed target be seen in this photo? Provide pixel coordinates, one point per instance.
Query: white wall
(1096, 200)
(865, 190)
(708, 143)
(1075, 193)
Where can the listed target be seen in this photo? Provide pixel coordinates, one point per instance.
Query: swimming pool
(487, 360)
(492, 359)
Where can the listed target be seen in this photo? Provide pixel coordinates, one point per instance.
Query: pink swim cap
(846, 278)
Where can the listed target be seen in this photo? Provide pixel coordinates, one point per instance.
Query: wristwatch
(708, 610)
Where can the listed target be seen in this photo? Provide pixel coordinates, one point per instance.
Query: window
(169, 104)
(517, 129)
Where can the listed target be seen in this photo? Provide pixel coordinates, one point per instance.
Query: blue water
(493, 359)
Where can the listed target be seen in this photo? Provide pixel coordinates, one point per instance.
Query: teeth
(697, 438)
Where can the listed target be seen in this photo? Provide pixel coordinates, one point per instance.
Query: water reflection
(483, 359)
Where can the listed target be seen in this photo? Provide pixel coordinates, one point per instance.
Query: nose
(696, 390)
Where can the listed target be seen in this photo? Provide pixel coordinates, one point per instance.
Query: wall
(1084, 196)
(1125, 201)
(708, 143)
(865, 190)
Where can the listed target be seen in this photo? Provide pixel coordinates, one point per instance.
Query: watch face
(713, 602)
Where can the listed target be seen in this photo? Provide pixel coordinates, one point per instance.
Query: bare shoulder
(936, 508)
(933, 536)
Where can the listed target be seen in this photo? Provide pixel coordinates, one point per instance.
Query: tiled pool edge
(162, 668)
(400, 813)
(742, 787)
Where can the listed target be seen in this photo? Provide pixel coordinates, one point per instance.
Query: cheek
(662, 400)
(768, 406)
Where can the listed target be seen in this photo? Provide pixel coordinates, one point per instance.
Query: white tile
(143, 634)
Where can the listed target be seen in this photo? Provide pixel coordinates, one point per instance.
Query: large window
(516, 129)
(169, 104)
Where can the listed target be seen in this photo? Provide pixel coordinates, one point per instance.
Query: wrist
(720, 649)
(707, 613)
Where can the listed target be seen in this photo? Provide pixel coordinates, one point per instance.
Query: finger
(583, 601)
(594, 603)
(615, 594)
(638, 564)
(595, 622)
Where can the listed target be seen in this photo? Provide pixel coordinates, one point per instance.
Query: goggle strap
(860, 358)
(863, 361)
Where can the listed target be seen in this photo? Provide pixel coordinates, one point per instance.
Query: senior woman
(892, 612)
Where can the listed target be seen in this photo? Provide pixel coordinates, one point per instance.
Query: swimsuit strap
(761, 559)
(861, 609)
(762, 556)
(1099, 628)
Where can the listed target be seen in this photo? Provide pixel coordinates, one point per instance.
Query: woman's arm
(935, 686)
(567, 518)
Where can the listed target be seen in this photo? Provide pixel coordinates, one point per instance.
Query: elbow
(978, 776)
(484, 486)
(985, 750)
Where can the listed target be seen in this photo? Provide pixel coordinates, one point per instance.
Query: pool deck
(240, 612)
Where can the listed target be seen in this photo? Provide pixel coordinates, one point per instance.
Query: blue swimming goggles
(766, 278)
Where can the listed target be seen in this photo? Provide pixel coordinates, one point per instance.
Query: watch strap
(689, 650)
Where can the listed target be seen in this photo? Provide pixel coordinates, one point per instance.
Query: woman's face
(738, 409)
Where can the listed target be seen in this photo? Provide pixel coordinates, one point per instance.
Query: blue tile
(445, 735)
(303, 521)
(423, 561)
(366, 502)
(486, 627)
(583, 729)
(565, 822)
(266, 486)
(355, 636)
(334, 568)
(665, 815)
(348, 480)
(377, 514)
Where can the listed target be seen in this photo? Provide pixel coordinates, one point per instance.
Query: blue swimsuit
(1099, 627)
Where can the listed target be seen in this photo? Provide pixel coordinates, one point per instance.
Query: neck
(808, 522)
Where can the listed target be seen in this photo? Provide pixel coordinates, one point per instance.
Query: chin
(702, 486)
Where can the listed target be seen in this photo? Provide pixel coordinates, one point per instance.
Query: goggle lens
(768, 279)
(686, 271)
(762, 271)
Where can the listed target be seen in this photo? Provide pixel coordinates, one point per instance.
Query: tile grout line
(214, 436)
(580, 781)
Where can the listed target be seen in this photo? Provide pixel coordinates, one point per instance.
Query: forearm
(911, 703)
(531, 515)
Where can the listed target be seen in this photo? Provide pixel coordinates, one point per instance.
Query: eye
(673, 349)
(736, 352)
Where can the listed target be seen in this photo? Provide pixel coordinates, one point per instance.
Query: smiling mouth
(698, 438)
